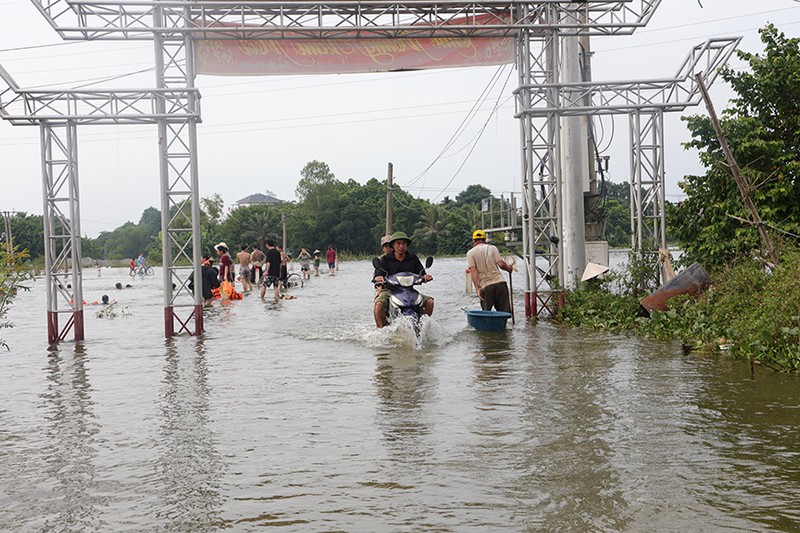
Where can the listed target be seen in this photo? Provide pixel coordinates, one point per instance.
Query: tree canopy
(762, 127)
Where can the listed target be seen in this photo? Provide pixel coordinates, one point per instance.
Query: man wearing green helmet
(485, 264)
(398, 260)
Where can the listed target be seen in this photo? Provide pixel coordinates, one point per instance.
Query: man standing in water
(398, 260)
(485, 264)
(305, 263)
(244, 268)
(257, 258)
(272, 272)
(330, 256)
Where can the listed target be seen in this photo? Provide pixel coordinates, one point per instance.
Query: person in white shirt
(485, 265)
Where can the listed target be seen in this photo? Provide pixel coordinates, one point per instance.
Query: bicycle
(294, 280)
(145, 270)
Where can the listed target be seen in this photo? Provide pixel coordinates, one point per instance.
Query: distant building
(258, 198)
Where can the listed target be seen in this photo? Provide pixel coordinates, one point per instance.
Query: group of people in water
(267, 269)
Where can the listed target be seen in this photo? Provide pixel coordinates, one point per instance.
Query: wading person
(485, 264)
(330, 256)
(244, 268)
(316, 263)
(272, 273)
(399, 259)
(257, 258)
(305, 263)
(225, 262)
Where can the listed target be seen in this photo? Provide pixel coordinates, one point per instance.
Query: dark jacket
(390, 265)
(209, 275)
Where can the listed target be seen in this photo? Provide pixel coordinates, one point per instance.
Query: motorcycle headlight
(405, 281)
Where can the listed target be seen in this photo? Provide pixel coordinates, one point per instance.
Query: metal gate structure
(543, 101)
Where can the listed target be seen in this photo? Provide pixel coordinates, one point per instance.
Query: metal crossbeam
(621, 97)
(132, 19)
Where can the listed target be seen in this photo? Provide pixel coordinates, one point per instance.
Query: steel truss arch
(542, 102)
(224, 19)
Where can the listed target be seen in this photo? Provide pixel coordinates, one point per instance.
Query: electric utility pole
(389, 200)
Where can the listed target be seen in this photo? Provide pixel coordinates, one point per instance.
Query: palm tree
(260, 226)
(431, 227)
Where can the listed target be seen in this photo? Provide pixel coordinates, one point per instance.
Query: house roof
(259, 198)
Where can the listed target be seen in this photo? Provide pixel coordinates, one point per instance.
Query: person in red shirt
(330, 256)
(225, 262)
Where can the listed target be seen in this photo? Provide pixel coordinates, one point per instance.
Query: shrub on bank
(751, 312)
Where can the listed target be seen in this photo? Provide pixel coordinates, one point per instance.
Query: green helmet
(400, 235)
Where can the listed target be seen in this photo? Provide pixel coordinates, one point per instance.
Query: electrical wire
(483, 128)
(459, 130)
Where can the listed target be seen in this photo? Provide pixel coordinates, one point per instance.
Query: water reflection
(569, 475)
(748, 425)
(305, 426)
(71, 445)
(493, 354)
(405, 385)
(189, 466)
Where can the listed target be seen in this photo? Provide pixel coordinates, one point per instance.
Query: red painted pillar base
(169, 324)
(77, 317)
(198, 320)
(530, 304)
(52, 328)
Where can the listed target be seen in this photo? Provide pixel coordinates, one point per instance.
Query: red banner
(328, 56)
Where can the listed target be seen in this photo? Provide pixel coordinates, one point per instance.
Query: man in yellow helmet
(485, 265)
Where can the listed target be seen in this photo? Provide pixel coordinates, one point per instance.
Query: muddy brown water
(300, 416)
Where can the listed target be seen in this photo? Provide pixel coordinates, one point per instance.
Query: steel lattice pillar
(537, 64)
(62, 235)
(648, 216)
(178, 169)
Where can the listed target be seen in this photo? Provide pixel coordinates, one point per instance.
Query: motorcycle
(405, 300)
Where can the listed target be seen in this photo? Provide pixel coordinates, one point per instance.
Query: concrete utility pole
(283, 223)
(574, 169)
(7, 224)
(389, 179)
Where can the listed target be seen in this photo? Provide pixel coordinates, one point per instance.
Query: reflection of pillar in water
(71, 449)
(571, 422)
(189, 465)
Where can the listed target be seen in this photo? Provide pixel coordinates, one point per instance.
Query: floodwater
(300, 416)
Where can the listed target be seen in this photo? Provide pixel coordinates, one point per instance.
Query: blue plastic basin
(487, 320)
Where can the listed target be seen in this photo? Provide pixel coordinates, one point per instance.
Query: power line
(497, 104)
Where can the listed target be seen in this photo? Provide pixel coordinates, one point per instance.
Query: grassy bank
(750, 312)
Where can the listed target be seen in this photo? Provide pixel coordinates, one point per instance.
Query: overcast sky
(259, 132)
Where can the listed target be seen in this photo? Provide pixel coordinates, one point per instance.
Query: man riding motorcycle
(398, 260)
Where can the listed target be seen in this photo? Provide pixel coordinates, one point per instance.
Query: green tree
(762, 128)
(12, 274)
(432, 226)
(313, 175)
(28, 233)
(618, 214)
(473, 195)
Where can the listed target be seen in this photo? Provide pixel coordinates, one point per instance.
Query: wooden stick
(741, 181)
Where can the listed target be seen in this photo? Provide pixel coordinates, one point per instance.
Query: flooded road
(300, 416)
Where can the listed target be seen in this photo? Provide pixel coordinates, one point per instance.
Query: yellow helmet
(478, 234)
